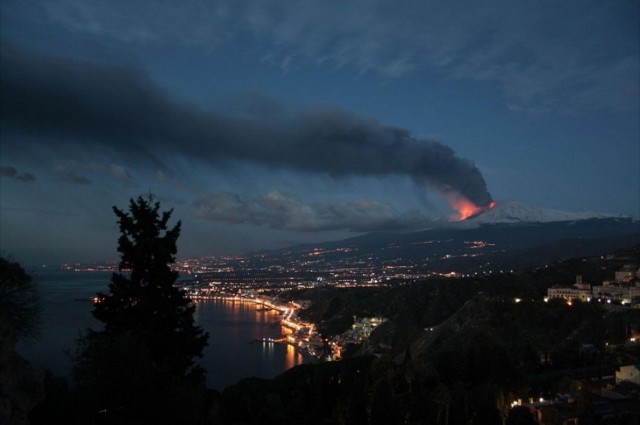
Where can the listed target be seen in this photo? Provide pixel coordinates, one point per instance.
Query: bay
(233, 326)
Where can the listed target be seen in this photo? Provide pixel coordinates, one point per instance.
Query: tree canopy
(141, 367)
(143, 298)
(18, 302)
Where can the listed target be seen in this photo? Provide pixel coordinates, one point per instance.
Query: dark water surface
(66, 313)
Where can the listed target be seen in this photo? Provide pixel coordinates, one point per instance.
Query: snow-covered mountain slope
(512, 212)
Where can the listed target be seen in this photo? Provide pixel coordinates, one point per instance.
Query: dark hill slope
(492, 246)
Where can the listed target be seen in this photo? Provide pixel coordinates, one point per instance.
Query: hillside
(513, 212)
(469, 249)
(453, 351)
(416, 306)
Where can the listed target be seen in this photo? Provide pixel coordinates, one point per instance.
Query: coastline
(227, 359)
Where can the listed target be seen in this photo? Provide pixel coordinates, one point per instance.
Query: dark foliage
(520, 415)
(20, 387)
(326, 393)
(144, 299)
(120, 382)
(59, 405)
(18, 302)
(140, 368)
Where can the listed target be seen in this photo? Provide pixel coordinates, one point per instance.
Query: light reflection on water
(293, 357)
(233, 353)
(230, 356)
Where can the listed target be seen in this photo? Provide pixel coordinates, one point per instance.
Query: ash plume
(78, 104)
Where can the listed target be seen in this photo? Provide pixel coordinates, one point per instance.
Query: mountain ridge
(512, 212)
(507, 214)
(467, 249)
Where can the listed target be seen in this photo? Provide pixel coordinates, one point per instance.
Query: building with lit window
(569, 294)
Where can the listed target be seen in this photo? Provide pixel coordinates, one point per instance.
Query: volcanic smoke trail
(82, 105)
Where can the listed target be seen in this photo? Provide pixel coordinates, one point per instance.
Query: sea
(234, 327)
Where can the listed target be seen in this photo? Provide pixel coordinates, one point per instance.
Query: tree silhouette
(20, 387)
(142, 298)
(441, 396)
(140, 368)
(18, 303)
(520, 415)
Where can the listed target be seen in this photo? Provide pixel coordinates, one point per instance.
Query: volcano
(502, 235)
(513, 212)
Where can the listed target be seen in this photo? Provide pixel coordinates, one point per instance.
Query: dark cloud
(280, 210)
(73, 171)
(41, 212)
(8, 172)
(121, 110)
(74, 178)
(12, 173)
(538, 68)
(118, 172)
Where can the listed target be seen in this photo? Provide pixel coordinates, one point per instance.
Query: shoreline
(297, 338)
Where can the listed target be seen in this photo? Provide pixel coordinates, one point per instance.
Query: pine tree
(19, 307)
(142, 298)
(140, 368)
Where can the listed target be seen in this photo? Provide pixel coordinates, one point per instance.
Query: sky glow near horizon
(265, 124)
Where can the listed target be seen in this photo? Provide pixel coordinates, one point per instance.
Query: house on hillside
(628, 273)
(569, 294)
(625, 289)
(630, 373)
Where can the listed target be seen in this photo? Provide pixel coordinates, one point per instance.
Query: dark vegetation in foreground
(20, 387)
(140, 369)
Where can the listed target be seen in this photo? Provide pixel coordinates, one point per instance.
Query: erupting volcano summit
(503, 212)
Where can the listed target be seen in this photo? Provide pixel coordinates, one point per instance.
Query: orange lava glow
(465, 207)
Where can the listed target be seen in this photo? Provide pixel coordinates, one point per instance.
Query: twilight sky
(270, 123)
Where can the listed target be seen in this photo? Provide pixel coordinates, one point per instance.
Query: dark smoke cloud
(73, 102)
(74, 178)
(12, 173)
(280, 210)
(74, 172)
